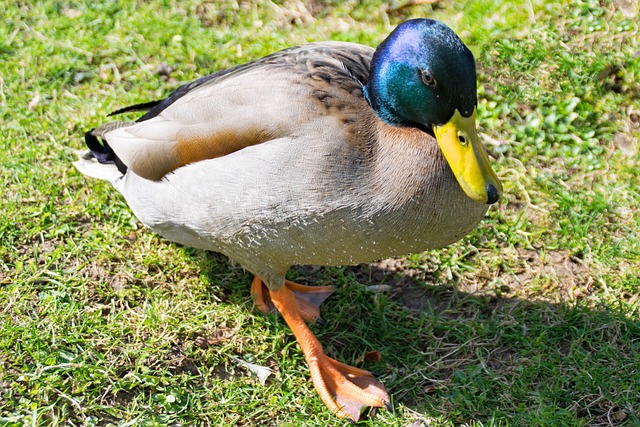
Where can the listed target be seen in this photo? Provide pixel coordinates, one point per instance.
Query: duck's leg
(308, 298)
(343, 388)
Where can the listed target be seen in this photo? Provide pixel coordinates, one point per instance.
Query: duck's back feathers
(319, 59)
(253, 103)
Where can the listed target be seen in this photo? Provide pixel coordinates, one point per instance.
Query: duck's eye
(427, 78)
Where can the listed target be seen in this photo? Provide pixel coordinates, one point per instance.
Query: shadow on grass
(476, 357)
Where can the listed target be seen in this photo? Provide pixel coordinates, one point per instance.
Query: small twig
(3, 99)
(73, 401)
(59, 366)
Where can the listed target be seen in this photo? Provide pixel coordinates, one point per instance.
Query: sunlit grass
(533, 319)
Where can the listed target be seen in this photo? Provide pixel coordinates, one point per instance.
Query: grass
(533, 319)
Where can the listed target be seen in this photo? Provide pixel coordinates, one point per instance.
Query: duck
(329, 153)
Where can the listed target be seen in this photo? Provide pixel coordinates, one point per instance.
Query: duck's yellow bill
(458, 140)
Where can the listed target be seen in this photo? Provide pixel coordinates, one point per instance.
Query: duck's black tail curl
(100, 148)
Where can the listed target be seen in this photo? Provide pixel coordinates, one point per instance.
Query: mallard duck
(330, 153)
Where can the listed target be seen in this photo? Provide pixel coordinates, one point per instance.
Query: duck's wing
(250, 104)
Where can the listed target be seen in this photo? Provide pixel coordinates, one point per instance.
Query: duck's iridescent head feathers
(420, 74)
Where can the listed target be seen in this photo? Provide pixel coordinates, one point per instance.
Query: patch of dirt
(418, 298)
(552, 275)
(118, 398)
(123, 285)
(218, 336)
(549, 276)
(221, 372)
(410, 287)
(179, 364)
(216, 13)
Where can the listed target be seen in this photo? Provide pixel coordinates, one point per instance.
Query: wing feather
(246, 105)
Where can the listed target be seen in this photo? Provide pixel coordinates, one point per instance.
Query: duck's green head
(423, 76)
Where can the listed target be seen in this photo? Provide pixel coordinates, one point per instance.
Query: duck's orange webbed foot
(308, 298)
(346, 390)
